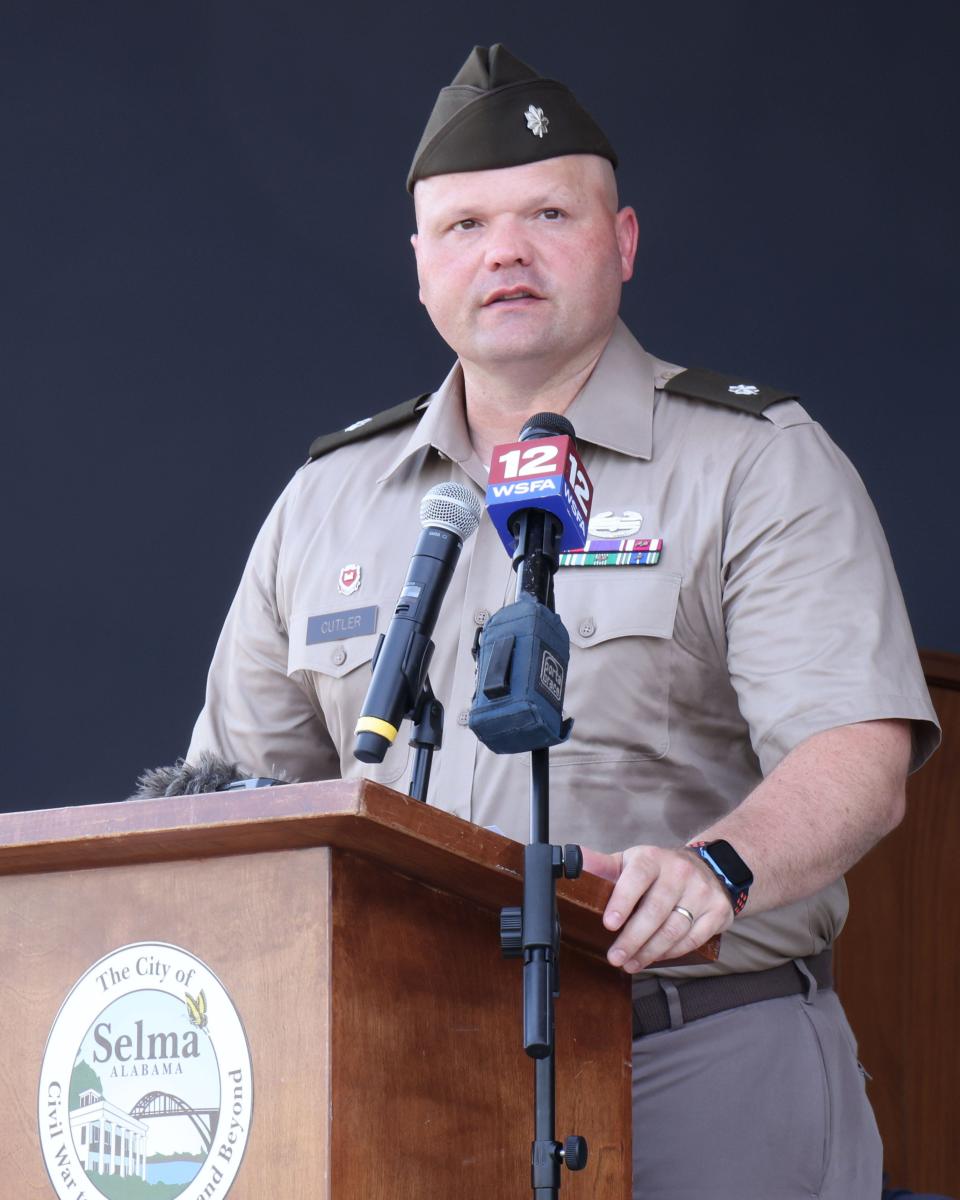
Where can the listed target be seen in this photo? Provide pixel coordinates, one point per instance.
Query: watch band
(737, 889)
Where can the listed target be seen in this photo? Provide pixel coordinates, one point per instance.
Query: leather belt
(704, 996)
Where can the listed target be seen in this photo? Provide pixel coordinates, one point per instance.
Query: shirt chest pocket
(621, 658)
(331, 658)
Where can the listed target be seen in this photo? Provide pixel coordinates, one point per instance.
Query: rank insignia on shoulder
(728, 391)
(603, 552)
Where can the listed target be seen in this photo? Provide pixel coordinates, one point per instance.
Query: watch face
(730, 863)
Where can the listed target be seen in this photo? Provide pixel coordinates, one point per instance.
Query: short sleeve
(254, 713)
(817, 631)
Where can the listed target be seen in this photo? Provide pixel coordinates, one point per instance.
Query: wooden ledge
(360, 817)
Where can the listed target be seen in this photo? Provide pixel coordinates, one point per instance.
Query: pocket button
(587, 627)
(338, 657)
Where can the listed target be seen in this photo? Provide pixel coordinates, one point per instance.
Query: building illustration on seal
(108, 1140)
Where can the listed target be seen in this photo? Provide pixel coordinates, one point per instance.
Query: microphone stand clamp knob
(572, 861)
(574, 1153)
(511, 932)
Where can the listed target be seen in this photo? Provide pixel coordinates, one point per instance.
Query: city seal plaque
(146, 1089)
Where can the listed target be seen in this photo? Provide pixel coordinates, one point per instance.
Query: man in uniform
(746, 691)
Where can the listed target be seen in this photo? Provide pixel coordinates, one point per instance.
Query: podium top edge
(356, 816)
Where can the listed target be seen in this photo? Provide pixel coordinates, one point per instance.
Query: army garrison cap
(498, 112)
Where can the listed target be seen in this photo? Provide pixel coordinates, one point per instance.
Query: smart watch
(728, 867)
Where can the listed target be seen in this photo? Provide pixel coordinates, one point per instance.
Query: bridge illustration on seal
(113, 1142)
(163, 1104)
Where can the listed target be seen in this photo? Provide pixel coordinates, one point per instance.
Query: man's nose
(508, 247)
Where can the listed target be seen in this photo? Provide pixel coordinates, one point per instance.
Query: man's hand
(651, 884)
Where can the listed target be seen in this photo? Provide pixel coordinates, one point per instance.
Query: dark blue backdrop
(205, 263)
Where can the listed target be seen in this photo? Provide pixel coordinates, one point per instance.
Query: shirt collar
(443, 426)
(614, 408)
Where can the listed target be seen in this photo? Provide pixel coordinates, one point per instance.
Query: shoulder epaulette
(400, 414)
(728, 390)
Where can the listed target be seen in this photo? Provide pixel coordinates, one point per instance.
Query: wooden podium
(356, 932)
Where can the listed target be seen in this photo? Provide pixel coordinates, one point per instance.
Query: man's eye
(551, 214)
(466, 223)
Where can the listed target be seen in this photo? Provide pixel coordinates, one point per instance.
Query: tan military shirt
(773, 614)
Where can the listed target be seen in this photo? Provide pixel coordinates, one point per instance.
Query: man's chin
(516, 346)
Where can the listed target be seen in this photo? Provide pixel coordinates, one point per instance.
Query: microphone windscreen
(546, 424)
(210, 773)
(453, 507)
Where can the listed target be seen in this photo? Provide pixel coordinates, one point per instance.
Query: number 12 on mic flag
(545, 473)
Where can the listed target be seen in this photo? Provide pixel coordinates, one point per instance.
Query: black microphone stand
(427, 716)
(533, 931)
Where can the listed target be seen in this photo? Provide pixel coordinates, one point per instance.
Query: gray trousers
(762, 1102)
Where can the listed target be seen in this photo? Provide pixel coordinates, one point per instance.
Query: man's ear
(628, 238)
(413, 243)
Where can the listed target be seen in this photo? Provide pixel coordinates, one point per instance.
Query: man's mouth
(510, 295)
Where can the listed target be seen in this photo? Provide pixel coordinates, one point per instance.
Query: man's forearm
(828, 802)
(830, 799)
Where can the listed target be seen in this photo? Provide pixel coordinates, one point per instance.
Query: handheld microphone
(449, 514)
(541, 470)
